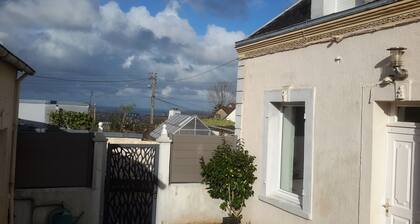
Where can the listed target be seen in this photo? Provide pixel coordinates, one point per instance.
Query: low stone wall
(189, 204)
(182, 203)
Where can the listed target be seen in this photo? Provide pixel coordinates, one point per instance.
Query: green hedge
(218, 122)
(72, 120)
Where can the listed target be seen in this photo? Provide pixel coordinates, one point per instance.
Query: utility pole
(92, 106)
(153, 81)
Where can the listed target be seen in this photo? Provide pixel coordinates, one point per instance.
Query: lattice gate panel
(131, 184)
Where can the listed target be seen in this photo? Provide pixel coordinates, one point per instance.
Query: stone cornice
(385, 17)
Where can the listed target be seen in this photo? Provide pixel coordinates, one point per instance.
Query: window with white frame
(288, 147)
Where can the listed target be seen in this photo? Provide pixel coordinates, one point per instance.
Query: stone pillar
(98, 177)
(163, 174)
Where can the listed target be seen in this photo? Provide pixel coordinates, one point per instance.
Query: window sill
(285, 205)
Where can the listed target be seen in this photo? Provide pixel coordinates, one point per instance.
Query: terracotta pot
(231, 220)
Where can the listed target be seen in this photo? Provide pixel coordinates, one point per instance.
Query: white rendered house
(329, 102)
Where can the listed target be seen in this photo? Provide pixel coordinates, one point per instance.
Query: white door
(402, 201)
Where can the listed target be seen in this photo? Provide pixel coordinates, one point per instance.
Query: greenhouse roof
(175, 123)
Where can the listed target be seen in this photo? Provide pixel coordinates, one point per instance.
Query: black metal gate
(131, 184)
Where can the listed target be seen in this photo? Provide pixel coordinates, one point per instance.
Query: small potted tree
(229, 176)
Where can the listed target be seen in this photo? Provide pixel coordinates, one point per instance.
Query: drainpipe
(13, 153)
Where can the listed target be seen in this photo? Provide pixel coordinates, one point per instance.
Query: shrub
(229, 176)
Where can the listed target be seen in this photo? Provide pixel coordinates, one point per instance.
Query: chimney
(173, 111)
(321, 8)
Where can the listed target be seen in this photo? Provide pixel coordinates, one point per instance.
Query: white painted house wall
(351, 115)
(231, 116)
(33, 111)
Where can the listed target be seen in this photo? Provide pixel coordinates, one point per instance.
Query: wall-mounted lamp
(396, 54)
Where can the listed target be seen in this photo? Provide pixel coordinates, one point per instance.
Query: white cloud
(128, 62)
(128, 92)
(218, 44)
(52, 13)
(167, 91)
(111, 17)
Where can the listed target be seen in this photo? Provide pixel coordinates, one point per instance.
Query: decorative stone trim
(386, 17)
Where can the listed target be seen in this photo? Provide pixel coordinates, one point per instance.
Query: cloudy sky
(184, 41)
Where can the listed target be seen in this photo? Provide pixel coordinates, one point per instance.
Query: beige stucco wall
(347, 119)
(7, 102)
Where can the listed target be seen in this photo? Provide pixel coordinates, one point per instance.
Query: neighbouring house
(182, 124)
(224, 111)
(39, 110)
(328, 100)
(231, 116)
(12, 71)
(220, 127)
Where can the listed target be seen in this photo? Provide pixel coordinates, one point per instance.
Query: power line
(153, 78)
(173, 104)
(134, 80)
(40, 83)
(178, 99)
(89, 81)
(201, 73)
(84, 74)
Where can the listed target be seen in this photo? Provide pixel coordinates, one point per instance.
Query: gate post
(163, 173)
(98, 177)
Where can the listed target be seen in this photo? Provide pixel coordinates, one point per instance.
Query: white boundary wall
(182, 203)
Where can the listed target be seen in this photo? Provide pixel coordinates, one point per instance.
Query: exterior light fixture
(396, 54)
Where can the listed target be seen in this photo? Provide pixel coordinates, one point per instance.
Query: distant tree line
(118, 121)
